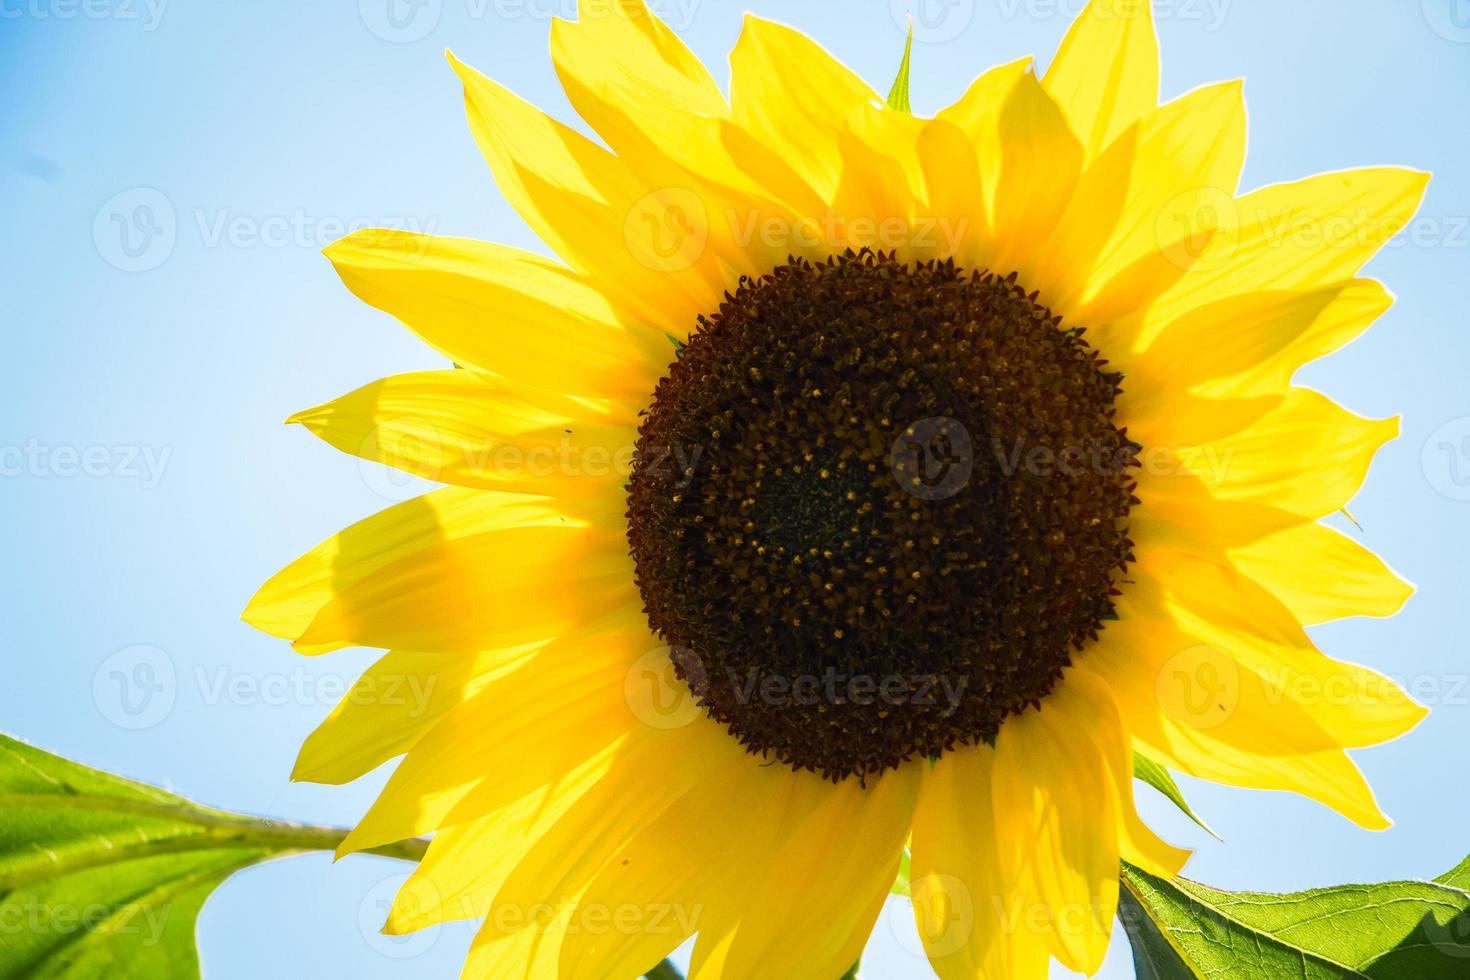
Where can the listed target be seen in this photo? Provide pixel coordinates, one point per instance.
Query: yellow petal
(843, 843)
(1185, 151)
(467, 429)
(392, 705)
(1040, 161)
(656, 106)
(622, 66)
(651, 99)
(954, 191)
(1177, 506)
(882, 183)
(1106, 73)
(1292, 236)
(531, 953)
(592, 210)
(695, 858)
(1207, 597)
(800, 121)
(652, 769)
(494, 589)
(503, 311)
(641, 89)
(286, 604)
(1162, 421)
(1309, 456)
(1202, 713)
(1086, 696)
(502, 743)
(467, 863)
(1322, 574)
(1058, 815)
(1120, 243)
(963, 903)
(1065, 267)
(1252, 344)
(977, 117)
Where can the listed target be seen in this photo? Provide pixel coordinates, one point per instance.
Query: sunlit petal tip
(305, 417)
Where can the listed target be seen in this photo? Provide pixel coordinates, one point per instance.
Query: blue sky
(169, 171)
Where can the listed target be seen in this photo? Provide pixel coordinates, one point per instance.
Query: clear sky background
(148, 484)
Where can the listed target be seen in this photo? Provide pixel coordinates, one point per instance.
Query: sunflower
(854, 487)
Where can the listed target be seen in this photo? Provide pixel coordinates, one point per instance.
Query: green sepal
(898, 95)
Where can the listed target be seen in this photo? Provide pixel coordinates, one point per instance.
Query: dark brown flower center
(875, 507)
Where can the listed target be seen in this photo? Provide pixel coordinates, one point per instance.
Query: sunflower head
(973, 470)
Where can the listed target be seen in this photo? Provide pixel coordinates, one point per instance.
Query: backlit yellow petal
(1321, 574)
(801, 121)
(1200, 712)
(591, 209)
(694, 859)
(1106, 73)
(964, 905)
(500, 310)
(462, 428)
(1252, 344)
(503, 744)
(652, 769)
(392, 705)
(1058, 818)
(1207, 597)
(1292, 236)
(1086, 696)
(493, 589)
(1185, 151)
(293, 597)
(843, 843)
(1309, 456)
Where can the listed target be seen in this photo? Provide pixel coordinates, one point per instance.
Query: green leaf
(898, 95)
(102, 877)
(1458, 877)
(1160, 779)
(1402, 930)
(666, 970)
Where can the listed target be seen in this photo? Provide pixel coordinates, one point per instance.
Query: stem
(215, 830)
(664, 971)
